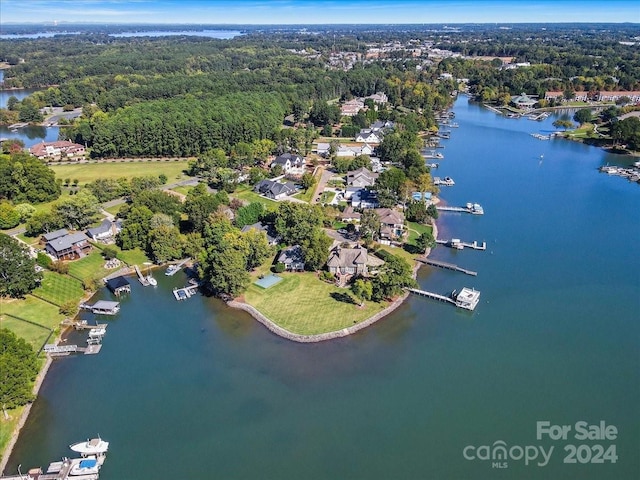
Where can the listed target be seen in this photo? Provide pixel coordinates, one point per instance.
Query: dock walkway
(176, 267)
(143, 280)
(434, 296)
(186, 292)
(448, 266)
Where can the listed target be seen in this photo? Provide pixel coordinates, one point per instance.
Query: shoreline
(321, 337)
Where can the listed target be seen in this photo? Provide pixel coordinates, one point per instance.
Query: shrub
(109, 253)
(60, 267)
(69, 309)
(279, 267)
(44, 260)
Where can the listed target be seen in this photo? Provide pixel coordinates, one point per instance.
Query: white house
(369, 136)
(291, 164)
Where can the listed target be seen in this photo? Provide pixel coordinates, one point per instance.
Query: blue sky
(318, 11)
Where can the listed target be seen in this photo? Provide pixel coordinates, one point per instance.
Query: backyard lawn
(311, 306)
(87, 172)
(59, 289)
(89, 267)
(33, 335)
(417, 229)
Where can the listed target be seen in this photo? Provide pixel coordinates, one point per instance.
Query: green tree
(307, 181)
(165, 243)
(362, 289)
(316, 249)
(77, 211)
(17, 269)
(9, 216)
(583, 116)
(258, 249)
(249, 214)
(18, 370)
(424, 241)
(295, 222)
(370, 225)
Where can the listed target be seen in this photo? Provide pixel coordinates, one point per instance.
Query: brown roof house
(348, 261)
(391, 224)
(57, 150)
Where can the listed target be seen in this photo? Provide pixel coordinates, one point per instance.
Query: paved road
(324, 178)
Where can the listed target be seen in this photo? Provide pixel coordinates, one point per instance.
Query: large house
(293, 258)
(348, 261)
(291, 164)
(523, 101)
(323, 148)
(275, 190)
(362, 198)
(391, 224)
(350, 215)
(66, 246)
(351, 107)
(633, 96)
(57, 150)
(367, 135)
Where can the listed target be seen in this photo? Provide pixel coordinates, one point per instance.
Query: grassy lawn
(306, 196)
(417, 229)
(33, 309)
(327, 197)
(183, 189)
(115, 209)
(8, 426)
(89, 267)
(400, 252)
(303, 304)
(33, 241)
(87, 172)
(34, 335)
(132, 257)
(247, 194)
(59, 289)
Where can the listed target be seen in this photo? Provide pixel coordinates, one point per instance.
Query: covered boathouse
(119, 285)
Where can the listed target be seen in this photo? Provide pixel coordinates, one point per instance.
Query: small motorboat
(93, 446)
(152, 281)
(171, 269)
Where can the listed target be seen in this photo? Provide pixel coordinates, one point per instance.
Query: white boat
(152, 281)
(85, 466)
(93, 446)
(97, 332)
(171, 269)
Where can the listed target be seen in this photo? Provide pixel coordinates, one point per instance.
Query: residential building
(351, 107)
(523, 101)
(367, 135)
(350, 215)
(391, 224)
(60, 149)
(275, 190)
(558, 96)
(291, 163)
(379, 97)
(363, 198)
(293, 258)
(362, 177)
(634, 96)
(106, 231)
(348, 261)
(69, 246)
(269, 230)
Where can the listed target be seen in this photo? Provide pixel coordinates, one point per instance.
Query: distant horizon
(315, 12)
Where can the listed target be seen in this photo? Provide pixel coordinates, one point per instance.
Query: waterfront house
(58, 150)
(348, 261)
(363, 198)
(557, 96)
(391, 224)
(633, 96)
(48, 237)
(382, 125)
(291, 164)
(119, 285)
(293, 258)
(275, 190)
(69, 246)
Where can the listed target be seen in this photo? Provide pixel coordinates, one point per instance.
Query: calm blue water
(195, 390)
(220, 34)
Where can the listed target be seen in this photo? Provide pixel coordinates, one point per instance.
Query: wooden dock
(175, 268)
(459, 245)
(448, 266)
(83, 325)
(142, 278)
(434, 296)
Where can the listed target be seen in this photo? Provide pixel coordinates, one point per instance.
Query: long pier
(448, 266)
(458, 244)
(434, 296)
(83, 325)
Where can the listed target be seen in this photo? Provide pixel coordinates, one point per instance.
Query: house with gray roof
(69, 246)
(47, 237)
(107, 230)
(348, 261)
(293, 258)
(269, 230)
(362, 177)
(291, 163)
(275, 190)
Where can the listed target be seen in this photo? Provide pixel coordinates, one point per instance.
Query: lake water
(219, 34)
(196, 390)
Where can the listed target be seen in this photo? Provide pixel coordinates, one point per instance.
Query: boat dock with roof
(459, 245)
(467, 299)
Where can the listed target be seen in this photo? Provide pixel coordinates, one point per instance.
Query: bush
(327, 276)
(109, 253)
(69, 309)
(279, 267)
(44, 260)
(59, 267)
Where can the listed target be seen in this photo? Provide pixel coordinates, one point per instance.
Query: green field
(417, 229)
(303, 304)
(34, 335)
(8, 426)
(87, 172)
(89, 267)
(59, 289)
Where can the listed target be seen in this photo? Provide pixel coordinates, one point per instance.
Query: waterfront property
(58, 150)
(106, 231)
(292, 258)
(348, 261)
(67, 246)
